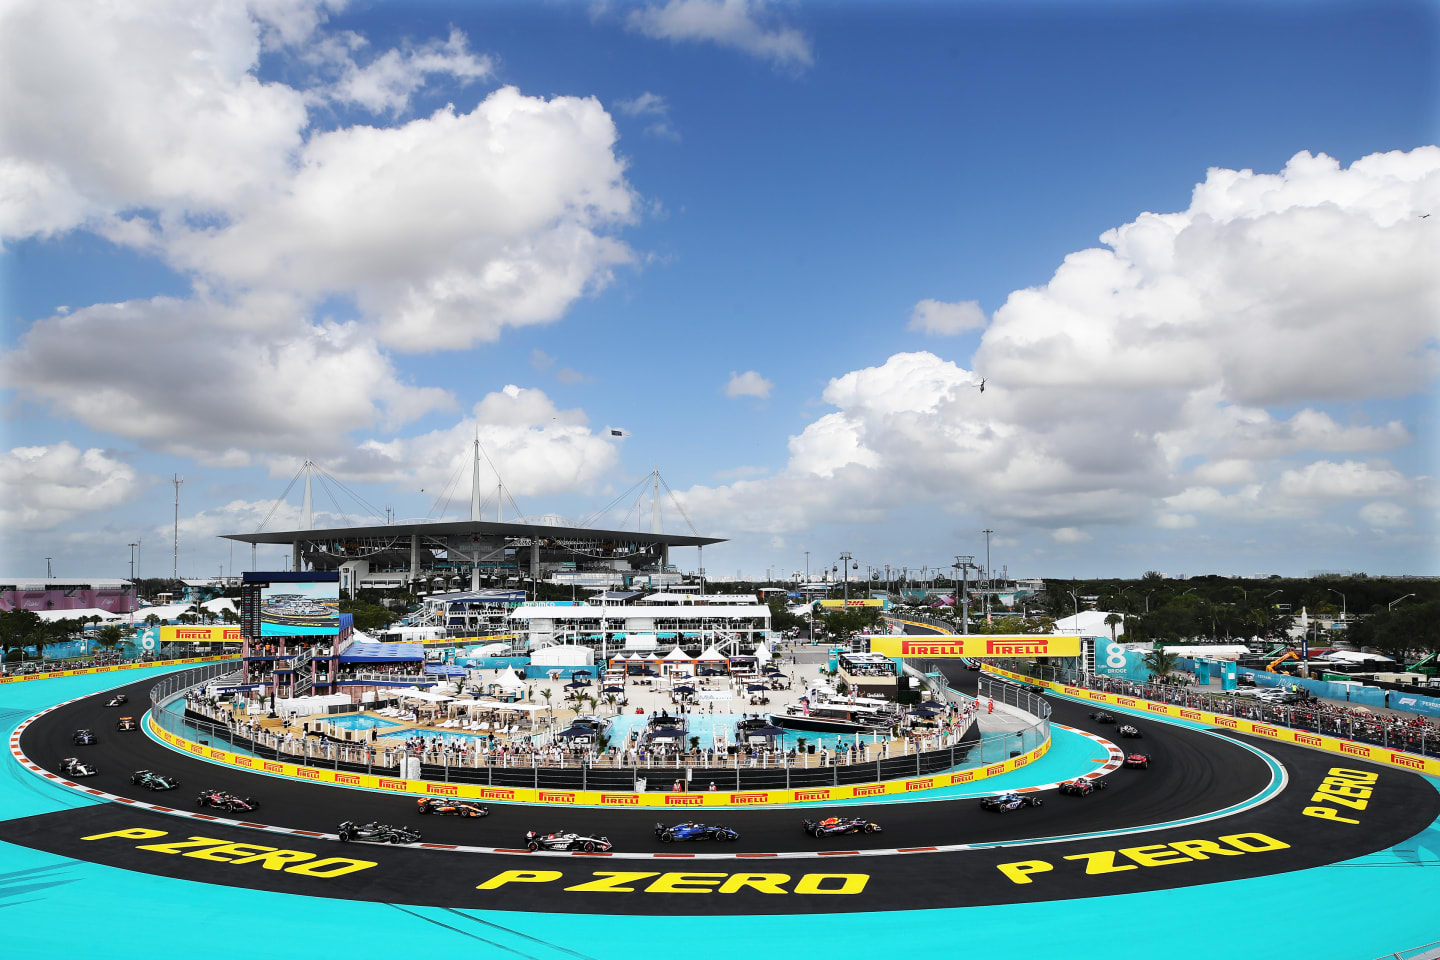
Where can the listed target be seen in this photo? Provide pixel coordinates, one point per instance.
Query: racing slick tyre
(869, 828)
(667, 837)
(532, 846)
(423, 811)
(588, 847)
(344, 837)
(1038, 803)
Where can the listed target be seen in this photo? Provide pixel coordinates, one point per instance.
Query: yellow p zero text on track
(1149, 855)
(241, 854)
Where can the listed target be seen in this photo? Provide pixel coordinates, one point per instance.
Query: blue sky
(712, 189)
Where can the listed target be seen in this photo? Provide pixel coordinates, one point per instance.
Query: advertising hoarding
(991, 645)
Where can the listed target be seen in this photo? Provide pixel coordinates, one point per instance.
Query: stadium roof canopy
(483, 528)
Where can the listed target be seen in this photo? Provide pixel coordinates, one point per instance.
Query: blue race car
(1010, 801)
(694, 831)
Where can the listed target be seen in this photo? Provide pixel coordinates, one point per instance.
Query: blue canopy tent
(370, 652)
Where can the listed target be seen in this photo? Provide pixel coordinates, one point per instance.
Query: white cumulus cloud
(745, 25)
(748, 384)
(46, 485)
(946, 319)
(1384, 514)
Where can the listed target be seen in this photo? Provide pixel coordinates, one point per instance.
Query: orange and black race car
(451, 808)
(126, 723)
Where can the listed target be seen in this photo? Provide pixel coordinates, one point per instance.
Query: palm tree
(109, 636)
(1112, 621)
(152, 620)
(1160, 664)
(611, 700)
(547, 693)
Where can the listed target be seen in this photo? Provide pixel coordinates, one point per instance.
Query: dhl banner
(979, 645)
(596, 798)
(84, 671)
(229, 634)
(462, 641)
(1348, 748)
(858, 602)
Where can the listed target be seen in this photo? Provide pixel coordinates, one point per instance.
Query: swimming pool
(356, 721)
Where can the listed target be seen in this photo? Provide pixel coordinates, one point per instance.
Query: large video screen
(305, 608)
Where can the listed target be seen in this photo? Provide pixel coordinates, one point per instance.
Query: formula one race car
(221, 800)
(834, 826)
(450, 808)
(82, 737)
(126, 723)
(1082, 787)
(1010, 801)
(694, 831)
(1138, 761)
(377, 833)
(535, 840)
(151, 780)
(73, 767)
(117, 700)
(1125, 730)
(1100, 716)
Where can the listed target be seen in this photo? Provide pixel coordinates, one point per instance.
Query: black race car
(565, 841)
(694, 831)
(151, 780)
(117, 700)
(1082, 787)
(377, 833)
(834, 826)
(451, 808)
(83, 737)
(1010, 801)
(73, 767)
(126, 723)
(1138, 761)
(1100, 716)
(1125, 730)
(221, 800)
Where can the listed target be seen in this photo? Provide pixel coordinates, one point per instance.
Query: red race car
(1138, 761)
(1081, 787)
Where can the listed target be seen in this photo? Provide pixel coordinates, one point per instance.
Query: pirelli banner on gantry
(991, 645)
(200, 635)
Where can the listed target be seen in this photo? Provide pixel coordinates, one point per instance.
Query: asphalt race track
(1194, 773)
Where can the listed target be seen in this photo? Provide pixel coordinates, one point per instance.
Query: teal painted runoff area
(128, 915)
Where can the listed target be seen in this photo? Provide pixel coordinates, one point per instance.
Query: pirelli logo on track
(351, 779)
(1265, 731)
(803, 795)
(245, 762)
(1401, 760)
(1308, 739)
(274, 767)
(965, 777)
(1354, 749)
(869, 790)
(683, 800)
(307, 773)
(742, 799)
(442, 789)
(1157, 708)
(1126, 702)
(551, 796)
(1016, 645)
(925, 784)
(620, 799)
(1190, 714)
(393, 784)
(1230, 722)
(495, 793)
(995, 769)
